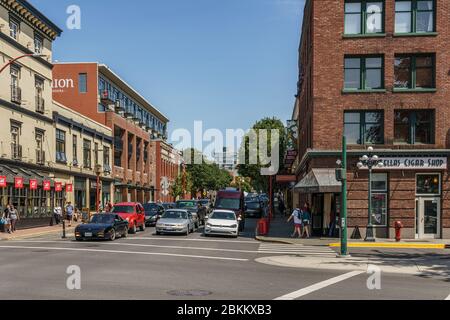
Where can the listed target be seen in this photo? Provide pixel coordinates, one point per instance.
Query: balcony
(129, 175)
(40, 104)
(16, 151)
(119, 173)
(145, 180)
(16, 94)
(105, 98)
(118, 106)
(138, 177)
(40, 157)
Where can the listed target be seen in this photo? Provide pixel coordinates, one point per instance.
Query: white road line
(204, 240)
(123, 252)
(318, 286)
(448, 298)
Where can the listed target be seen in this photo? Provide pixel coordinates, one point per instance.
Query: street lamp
(370, 161)
(34, 55)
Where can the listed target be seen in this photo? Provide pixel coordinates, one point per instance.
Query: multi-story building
(227, 159)
(378, 73)
(26, 110)
(98, 93)
(168, 168)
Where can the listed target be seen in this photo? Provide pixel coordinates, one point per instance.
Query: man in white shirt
(297, 215)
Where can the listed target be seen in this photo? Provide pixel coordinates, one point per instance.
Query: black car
(195, 207)
(254, 209)
(102, 226)
(153, 213)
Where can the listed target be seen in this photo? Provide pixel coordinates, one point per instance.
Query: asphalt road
(146, 266)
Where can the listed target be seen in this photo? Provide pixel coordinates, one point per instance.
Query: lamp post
(35, 55)
(370, 161)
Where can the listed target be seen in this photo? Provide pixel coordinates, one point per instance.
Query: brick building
(98, 93)
(378, 73)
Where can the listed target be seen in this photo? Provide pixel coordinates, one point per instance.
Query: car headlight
(209, 225)
(234, 226)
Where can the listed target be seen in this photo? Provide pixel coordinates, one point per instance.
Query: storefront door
(428, 217)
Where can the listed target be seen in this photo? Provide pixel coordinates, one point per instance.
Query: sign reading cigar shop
(414, 163)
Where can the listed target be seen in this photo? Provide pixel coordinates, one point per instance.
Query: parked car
(153, 213)
(254, 208)
(169, 205)
(102, 226)
(232, 200)
(194, 207)
(133, 213)
(222, 222)
(175, 221)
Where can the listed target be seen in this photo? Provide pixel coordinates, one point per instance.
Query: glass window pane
(352, 63)
(354, 117)
(379, 182)
(374, 22)
(401, 127)
(373, 133)
(352, 23)
(352, 132)
(403, 6)
(424, 62)
(373, 79)
(374, 117)
(428, 184)
(425, 22)
(424, 116)
(379, 209)
(403, 22)
(424, 78)
(402, 72)
(352, 79)
(424, 5)
(353, 7)
(373, 62)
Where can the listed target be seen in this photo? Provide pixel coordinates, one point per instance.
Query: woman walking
(14, 217)
(6, 219)
(306, 219)
(297, 216)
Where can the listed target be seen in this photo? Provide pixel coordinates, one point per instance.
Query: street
(146, 266)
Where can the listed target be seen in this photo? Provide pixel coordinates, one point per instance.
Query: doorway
(428, 218)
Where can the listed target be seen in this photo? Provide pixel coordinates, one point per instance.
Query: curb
(393, 245)
(264, 239)
(36, 235)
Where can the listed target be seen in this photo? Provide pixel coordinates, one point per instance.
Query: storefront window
(428, 184)
(379, 199)
(80, 194)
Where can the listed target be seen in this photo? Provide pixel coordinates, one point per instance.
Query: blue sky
(226, 62)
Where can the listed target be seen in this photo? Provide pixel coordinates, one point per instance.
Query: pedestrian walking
(69, 213)
(306, 219)
(13, 217)
(57, 214)
(5, 219)
(297, 216)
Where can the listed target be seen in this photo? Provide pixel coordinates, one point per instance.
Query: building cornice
(23, 110)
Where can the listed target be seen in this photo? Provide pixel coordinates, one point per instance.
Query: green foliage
(253, 171)
(177, 189)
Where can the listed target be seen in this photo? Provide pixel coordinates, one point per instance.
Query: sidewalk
(36, 232)
(280, 231)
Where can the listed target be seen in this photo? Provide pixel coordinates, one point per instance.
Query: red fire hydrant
(398, 230)
(262, 227)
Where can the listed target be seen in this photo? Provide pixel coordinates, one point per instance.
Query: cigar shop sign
(414, 163)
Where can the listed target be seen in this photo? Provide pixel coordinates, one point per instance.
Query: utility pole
(344, 248)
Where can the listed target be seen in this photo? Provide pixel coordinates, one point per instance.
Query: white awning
(319, 181)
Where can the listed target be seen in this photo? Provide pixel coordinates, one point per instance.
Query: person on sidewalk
(297, 216)
(69, 213)
(6, 220)
(306, 219)
(13, 217)
(57, 214)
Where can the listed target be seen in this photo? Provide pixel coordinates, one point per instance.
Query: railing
(16, 151)
(40, 104)
(16, 94)
(40, 156)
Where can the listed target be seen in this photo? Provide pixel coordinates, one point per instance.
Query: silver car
(222, 222)
(175, 221)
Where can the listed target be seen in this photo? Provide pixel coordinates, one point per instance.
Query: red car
(133, 213)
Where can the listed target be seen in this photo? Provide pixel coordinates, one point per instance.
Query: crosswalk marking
(292, 249)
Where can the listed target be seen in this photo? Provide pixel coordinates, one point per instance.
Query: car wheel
(79, 239)
(125, 233)
(158, 233)
(187, 231)
(133, 229)
(142, 228)
(112, 235)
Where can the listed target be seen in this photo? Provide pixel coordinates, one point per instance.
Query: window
(61, 146)
(87, 154)
(95, 153)
(364, 127)
(363, 73)
(364, 17)
(379, 199)
(106, 161)
(40, 155)
(414, 127)
(414, 72)
(38, 44)
(82, 82)
(428, 184)
(39, 87)
(75, 150)
(414, 16)
(14, 28)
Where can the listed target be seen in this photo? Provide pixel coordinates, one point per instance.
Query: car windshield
(227, 203)
(102, 218)
(186, 204)
(248, 199)
(252, 205)
(150, 208)
(167, 205)
(223, 215)
(123, 209)
(174, 215)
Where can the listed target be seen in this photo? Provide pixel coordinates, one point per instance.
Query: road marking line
(391, 245)
(318, 286)
(448, 298)
(181, 239)
(124, 252)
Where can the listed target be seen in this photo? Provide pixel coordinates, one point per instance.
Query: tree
(181, 185)
(253, 171)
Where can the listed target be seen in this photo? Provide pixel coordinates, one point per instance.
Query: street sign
(33, 184)
(69, 188)
(18, 183)
(46, 185)
(58, 186)
(3, 182)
